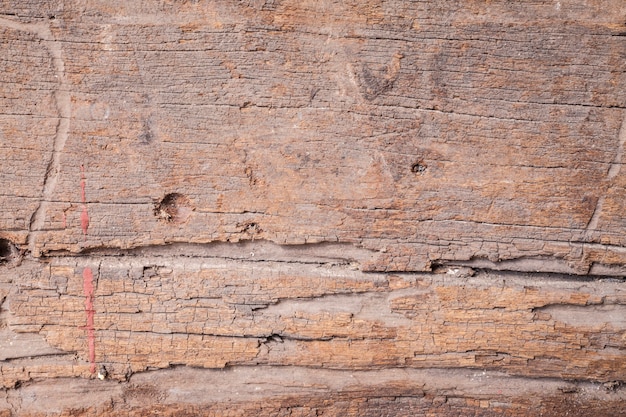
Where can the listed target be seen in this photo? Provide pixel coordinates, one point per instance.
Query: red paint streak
(84, 220)
(89, 310)
(84, 216)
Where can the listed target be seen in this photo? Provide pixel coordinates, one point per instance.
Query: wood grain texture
(408, 191)
(309, 121)
(245, 392)
(157, 312)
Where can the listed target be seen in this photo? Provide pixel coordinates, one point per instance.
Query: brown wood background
(280, 207)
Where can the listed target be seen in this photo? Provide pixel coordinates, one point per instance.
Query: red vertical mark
(84, 216)
(89, 326)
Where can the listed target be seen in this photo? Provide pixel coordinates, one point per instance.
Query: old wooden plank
(155, 312)
(354, 124)
(291, 194)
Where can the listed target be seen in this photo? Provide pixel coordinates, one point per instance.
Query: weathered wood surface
(163, 311)
(288, 391)
(307, 120)
(375, 188)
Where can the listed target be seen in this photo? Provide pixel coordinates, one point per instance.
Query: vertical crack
(63, 106)
(595, 216)
(617, 162)
(88, 289)
(614, 169)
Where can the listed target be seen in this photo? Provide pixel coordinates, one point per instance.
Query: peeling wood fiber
(360, 208)
(154, 313)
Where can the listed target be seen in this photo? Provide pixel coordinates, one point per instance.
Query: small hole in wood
(8, 250)
(418, 167)
(173, 207)
(250, 228)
